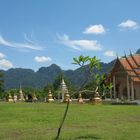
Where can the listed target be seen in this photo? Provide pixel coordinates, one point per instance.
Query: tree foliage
(1, 84)
(91, 65)
(94, 78)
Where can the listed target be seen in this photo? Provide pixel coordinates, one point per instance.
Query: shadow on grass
(88, 137)
(84, 137)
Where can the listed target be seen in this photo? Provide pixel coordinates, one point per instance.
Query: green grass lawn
(40, 121)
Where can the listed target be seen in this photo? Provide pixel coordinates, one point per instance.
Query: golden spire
(50, 97)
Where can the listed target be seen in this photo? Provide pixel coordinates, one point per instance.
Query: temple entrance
(125, 93)
(117, 90)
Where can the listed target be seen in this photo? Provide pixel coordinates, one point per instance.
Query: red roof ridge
(135, 60)
(132, 67)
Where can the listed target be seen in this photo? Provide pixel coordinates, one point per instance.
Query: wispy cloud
(4, 63)
(109, 53)
(27, 38)
(129, 24)
(27, 45)
(42, 59)
(90, 45)
(95, 29)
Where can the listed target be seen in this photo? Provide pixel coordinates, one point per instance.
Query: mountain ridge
(46, 75)
(43, 76)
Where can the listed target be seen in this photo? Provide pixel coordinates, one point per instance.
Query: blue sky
(36, 33)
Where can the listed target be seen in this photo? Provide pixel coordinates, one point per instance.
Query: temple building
(125, 77)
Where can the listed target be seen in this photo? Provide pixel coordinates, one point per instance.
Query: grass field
(39, 121)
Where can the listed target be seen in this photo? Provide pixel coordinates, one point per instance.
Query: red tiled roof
(131, 65)
(136, 79)
(125, 64)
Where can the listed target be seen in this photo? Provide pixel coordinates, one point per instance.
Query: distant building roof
(131, 64)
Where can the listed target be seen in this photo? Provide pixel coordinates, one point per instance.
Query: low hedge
(124, 103)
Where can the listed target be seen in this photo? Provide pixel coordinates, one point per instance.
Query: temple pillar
(63, 96)
(114, 85)
(59, 95)
(132, 90)
(111, 93)
(128, 88)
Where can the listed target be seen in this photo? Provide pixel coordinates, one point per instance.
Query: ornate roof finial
(130, 52)
(20, 88)
(124, 54)
(117, 55)
(21, 98)
(63, 82)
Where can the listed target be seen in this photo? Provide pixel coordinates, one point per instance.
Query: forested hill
(44, 76)
(47, 75)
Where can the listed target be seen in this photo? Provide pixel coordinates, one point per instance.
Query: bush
(124, 103)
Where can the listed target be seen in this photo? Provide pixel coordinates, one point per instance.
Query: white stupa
(64, 89)
(21, 97)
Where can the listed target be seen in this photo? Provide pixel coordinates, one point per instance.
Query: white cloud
(4, 63)
(42, 59)
(2, 55)
(95, 29)
(109, 53)
(27, 45)
(129, 24)
(90, 45)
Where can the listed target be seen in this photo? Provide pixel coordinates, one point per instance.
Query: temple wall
(121, 81)
(137, 90)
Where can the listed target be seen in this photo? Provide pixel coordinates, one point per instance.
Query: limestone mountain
(45, 75)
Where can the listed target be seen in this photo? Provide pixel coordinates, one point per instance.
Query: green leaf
(75, 61)
(85, 59)
(81, 58)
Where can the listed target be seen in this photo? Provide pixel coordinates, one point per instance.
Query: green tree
(57, 81)
(47, 88)
(13, 91)
(1, 84)
(40, 93)
(91, 65)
